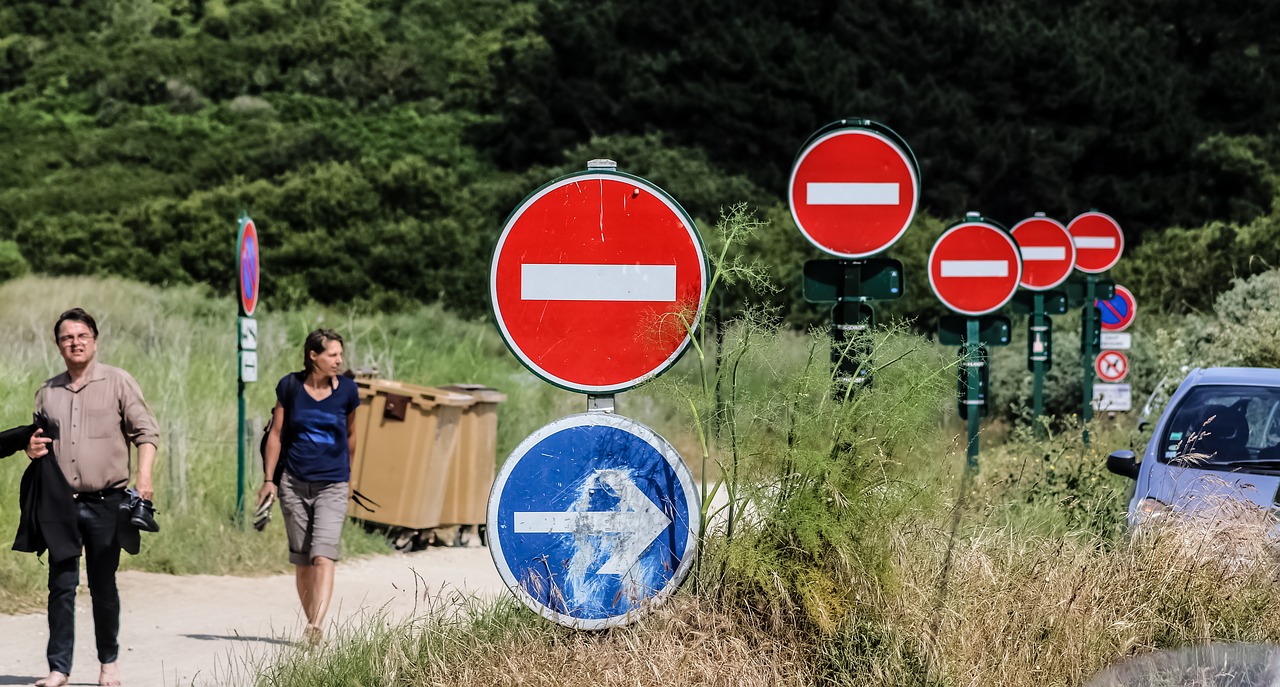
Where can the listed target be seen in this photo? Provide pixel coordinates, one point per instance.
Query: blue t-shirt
(316, 432)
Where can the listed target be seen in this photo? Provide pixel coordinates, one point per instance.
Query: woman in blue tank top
(313, 433)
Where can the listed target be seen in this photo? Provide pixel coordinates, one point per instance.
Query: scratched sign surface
(592, 520)
(597, 281)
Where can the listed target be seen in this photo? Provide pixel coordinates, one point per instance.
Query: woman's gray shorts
(313, 514)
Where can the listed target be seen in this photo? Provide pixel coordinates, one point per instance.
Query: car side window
(1224, 424)
(1271, 427)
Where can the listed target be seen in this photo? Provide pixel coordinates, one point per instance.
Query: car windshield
(1225, 426)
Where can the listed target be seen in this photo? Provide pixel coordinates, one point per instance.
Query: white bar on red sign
(823, 193)
(1036, 253)
(597, 282)
(975, 268)
(1105, 242)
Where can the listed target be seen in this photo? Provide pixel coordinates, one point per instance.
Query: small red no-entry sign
(854, 190)
(974, 268)
(596, 281)
(1099, 242)
(1111, 366)
(1048, 253)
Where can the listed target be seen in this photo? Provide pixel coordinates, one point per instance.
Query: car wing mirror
(1123, 463)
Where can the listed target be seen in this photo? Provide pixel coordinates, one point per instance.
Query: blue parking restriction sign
(593, 520)
(1118, 312)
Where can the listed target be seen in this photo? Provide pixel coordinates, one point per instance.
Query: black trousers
(98, 518)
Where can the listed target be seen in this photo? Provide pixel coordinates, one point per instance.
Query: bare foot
(312, 635)
(109, 676)
(54, 679)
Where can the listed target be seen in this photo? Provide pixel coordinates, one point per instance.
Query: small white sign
(248, 334)
(1117, 341)
(248, 366)
(1117, 397)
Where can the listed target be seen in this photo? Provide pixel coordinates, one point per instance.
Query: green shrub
(12, 264)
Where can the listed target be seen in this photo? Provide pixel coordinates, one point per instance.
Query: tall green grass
(180, 344)
(853, 549)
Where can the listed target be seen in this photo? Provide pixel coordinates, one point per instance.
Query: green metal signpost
(974, 269)
(247, 274)
(1099, 244)
(974, 335)
(1048, 256)
(1084, 294)
(1040, 307)
(853, 192)
(849, 285)
(974, 378)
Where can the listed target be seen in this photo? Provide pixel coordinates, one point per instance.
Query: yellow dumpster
(406, 438)
(471, 474)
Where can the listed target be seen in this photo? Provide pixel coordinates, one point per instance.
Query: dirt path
(203, 629)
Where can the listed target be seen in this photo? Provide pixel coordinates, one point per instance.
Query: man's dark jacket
(48, 512)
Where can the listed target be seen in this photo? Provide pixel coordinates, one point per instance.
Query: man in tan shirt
(89, 415)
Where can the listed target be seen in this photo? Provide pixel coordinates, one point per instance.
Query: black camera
(142, 513)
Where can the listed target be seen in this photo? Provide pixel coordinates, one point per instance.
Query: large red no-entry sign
(1048, 253)
(974, 268)
(1099, 242)
(854, 191)
(597, 281)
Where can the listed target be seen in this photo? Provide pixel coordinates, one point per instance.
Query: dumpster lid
(449, 397)
(423, 394)
(481, 393)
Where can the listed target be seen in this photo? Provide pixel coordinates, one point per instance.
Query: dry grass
(700, 645)
(1035, 610)
(468, 642)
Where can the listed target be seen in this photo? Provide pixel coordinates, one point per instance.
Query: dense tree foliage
(1011, 106)
(379, 144)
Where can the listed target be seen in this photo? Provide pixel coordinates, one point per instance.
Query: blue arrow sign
(592, 520)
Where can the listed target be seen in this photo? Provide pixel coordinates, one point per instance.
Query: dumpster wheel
(463, 537)
(401, 539)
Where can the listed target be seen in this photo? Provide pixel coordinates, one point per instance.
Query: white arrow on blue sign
(593, 520)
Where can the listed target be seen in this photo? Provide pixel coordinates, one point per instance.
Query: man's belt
(100, 495)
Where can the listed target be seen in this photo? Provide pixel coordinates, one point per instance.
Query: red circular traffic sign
(1118, 312)
(1111, 366)
(1099, 242)
(597, 281)
(974, 268)
(854, 191)
(247, 257)
(1048, 253)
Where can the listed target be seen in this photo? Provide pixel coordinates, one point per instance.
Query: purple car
(1218, 442)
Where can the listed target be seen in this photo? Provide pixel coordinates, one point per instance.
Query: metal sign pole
(851, 286)
(973, 376)
(1089, 332)
(1041, 327)
(247, 263)
(240, 457)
